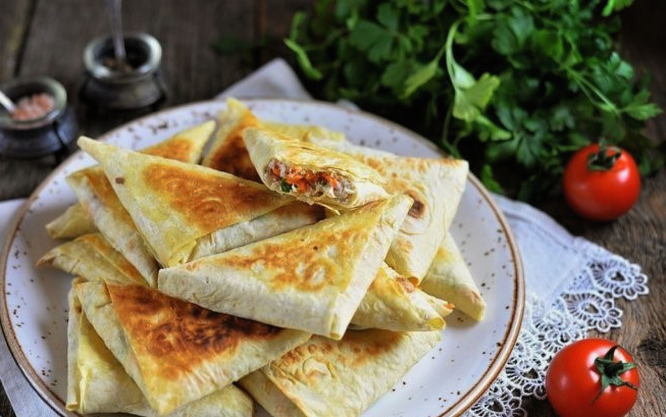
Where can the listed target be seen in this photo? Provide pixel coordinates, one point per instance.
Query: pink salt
(33, 107)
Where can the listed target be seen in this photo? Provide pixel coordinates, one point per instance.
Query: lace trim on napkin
(587, 304)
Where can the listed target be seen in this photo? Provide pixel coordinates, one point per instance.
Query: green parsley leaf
(373, 39)
(643, 111)
(471, 101)
(615, 5)
(422, 75)
(471, 96)
(489, 181)
(388, 16)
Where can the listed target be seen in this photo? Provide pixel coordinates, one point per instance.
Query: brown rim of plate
(466, 400)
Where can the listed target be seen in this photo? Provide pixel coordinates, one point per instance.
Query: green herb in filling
(285, 186)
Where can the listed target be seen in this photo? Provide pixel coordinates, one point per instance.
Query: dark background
(47, 37)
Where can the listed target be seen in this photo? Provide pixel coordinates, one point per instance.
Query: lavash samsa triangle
(97, 382)
(394, 302)
(73, 222)
(435, 184)
(312, 278)
(185, 146)
(91, 257)
(449, 278)
(176, 206)
(99, 201)
(311, 173)
(228, 152)
(177, 352)
(326, 378)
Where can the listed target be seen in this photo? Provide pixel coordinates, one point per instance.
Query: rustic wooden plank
(15, 16)
(643, 44)
(272, 24)
(61, 28)
(20, 177)
(14, 19)
(185, 29)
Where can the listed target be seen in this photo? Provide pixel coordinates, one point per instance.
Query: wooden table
(46, 37)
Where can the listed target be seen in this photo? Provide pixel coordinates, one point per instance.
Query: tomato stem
(602, 160)
(610, 371)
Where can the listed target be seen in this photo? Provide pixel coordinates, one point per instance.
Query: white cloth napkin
(564, 277)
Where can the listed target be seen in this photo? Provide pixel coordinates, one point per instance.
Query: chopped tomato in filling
(306, 181)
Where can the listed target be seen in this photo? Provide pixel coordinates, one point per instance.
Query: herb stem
(585, 84)
(445, 128)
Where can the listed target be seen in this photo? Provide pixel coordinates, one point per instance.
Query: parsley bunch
(514, 86)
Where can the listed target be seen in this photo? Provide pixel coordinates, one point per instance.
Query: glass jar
(52, 133)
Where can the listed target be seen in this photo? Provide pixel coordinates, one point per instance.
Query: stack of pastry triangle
(312, 278)
(392, 301)
(153, 338)
(196, 277)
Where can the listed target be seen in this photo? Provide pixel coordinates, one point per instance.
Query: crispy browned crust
(204, 199)
(104, 191)
(232, 156)
(178, 334)
(392, 287)
(177, 148)
(302, 267)
(366, 345)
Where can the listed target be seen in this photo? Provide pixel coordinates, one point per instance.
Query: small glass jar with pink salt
(42, 123)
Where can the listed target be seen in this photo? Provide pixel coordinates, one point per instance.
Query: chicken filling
(307, 182)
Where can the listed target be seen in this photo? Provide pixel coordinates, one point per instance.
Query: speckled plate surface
(448, 380)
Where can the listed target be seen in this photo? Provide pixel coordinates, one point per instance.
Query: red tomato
(574, 380)
(601, 186)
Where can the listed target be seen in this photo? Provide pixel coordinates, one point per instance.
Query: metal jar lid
(139, 86)
(144, 56)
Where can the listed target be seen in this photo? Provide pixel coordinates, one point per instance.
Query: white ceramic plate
(446, 381)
